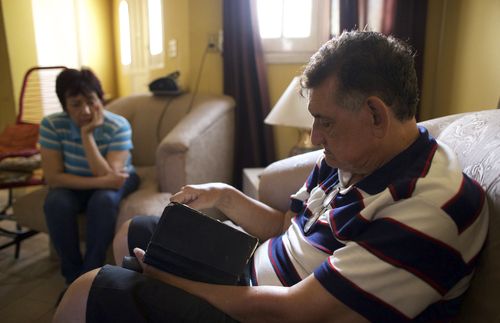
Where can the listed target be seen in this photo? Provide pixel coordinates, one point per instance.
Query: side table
(251, 179)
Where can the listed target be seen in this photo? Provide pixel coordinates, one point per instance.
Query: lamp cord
(195, 92)
(160, 119)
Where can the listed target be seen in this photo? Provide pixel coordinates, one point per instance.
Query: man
(386, 227)
(86, 162)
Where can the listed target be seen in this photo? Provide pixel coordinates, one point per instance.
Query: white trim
(299, 50)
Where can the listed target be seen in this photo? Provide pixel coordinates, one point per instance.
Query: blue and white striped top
(400, 245)
(58, 132)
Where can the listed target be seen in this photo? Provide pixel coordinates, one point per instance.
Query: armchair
(174, 145)
(474, 138)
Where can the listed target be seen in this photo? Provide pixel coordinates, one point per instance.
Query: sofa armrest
(284, 177)
(199, 148)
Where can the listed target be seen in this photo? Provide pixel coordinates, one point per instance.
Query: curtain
(245, 80)
(405, 20)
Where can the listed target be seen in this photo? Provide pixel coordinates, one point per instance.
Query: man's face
(345, 135)
(79, 107)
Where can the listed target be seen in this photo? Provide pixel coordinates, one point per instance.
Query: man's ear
(379, 113)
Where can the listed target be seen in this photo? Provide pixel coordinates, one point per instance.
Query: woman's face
(80, 107)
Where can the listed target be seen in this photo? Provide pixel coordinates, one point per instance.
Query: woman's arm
(53, 169)
(101, 166)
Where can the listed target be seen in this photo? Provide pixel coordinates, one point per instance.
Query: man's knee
(73, 305)
(120, 243)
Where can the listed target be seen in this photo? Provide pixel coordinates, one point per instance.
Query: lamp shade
(291, 109)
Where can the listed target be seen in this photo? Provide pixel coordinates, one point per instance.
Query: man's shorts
(122, 295)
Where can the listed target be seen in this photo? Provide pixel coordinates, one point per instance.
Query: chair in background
(19, 154)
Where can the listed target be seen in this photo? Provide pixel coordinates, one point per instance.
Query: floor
(31, 284)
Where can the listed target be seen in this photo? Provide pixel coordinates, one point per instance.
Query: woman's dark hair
(71, 82)
(367, 63)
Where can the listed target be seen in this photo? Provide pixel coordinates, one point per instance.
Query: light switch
(172, 48)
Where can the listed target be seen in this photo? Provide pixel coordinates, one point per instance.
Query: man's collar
(408, 163)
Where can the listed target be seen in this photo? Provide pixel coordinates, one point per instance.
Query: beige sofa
(475, 138)
(173, 146)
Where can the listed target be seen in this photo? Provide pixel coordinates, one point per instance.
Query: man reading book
(385, 228)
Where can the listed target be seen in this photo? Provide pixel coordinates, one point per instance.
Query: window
(292, 30)
(125, 47)
(141, 26)
(56, 45)
(155, 27)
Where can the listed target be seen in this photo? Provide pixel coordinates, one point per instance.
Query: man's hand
(201, 196)
(152, 271)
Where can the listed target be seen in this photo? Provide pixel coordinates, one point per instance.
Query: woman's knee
(103, 200)
(60, 202)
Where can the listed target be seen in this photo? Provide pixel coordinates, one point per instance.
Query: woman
(87, 165)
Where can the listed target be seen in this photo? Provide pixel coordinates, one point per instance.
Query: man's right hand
(202, 196)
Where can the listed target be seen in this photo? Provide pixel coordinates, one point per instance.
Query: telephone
(166, 85)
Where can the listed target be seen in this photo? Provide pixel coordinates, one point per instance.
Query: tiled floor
(31, 284)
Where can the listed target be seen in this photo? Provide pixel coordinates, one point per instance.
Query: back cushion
(475, 138)
(151, 118)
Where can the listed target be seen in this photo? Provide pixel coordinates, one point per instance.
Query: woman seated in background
(87, 165)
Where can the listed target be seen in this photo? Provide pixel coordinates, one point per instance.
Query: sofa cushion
(148, 129)
(475, 138)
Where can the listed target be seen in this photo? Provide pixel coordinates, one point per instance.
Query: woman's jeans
(62, 207)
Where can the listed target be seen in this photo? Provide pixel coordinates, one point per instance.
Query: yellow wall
(176, 27)
(462, 65)
(20, 42)
(205, 17)
(97, 45)
(97, 42)
(7, 102)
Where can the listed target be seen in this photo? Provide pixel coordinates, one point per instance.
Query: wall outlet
(213, 43)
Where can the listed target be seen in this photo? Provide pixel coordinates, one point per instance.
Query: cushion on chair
(475, 138)
(19, 140)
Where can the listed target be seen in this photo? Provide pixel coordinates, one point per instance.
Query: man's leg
(114, 294)
(134, 233)
(73, 305)
(61, 209)
(120, 243)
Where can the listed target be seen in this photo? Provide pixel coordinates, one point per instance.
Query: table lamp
(291, 111)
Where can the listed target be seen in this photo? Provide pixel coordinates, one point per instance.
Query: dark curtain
(404, 19)
(245, 80)
(349, 14)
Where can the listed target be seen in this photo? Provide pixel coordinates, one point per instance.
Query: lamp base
(304, 144)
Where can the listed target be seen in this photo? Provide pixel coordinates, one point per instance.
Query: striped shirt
(58, 132)
(399, 245)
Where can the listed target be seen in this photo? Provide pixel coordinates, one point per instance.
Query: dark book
(193, 245)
